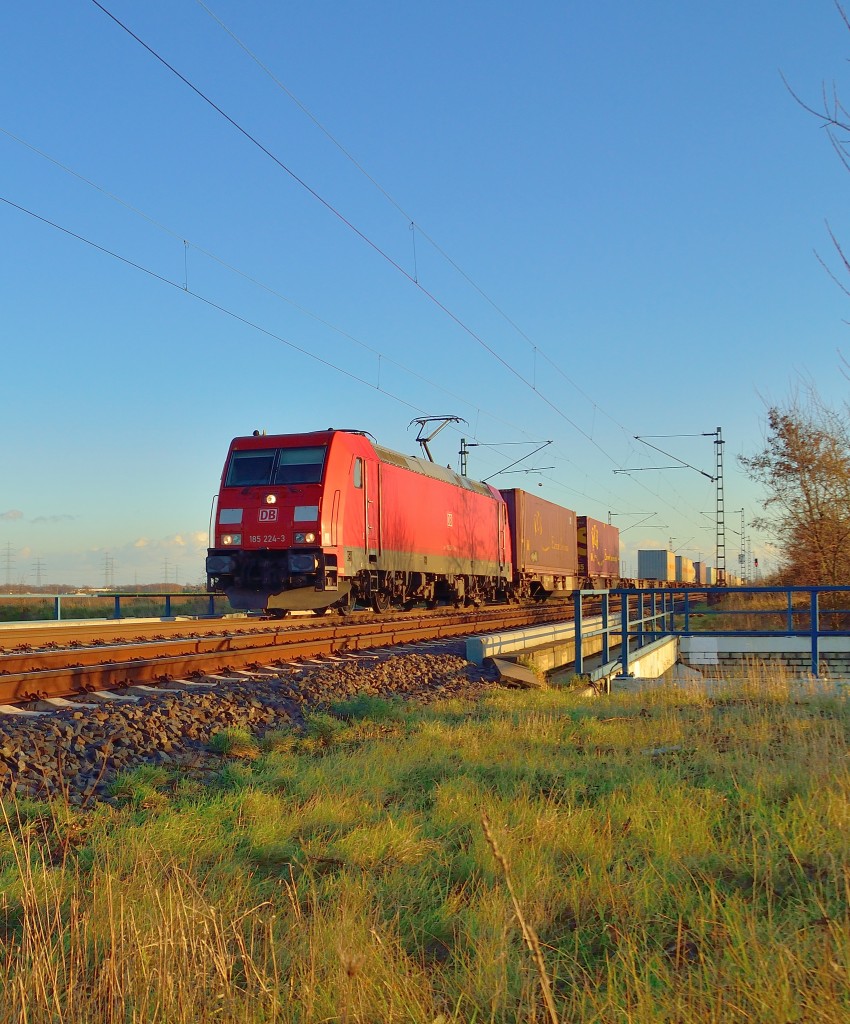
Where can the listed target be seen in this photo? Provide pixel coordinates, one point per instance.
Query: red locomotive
(330, 518)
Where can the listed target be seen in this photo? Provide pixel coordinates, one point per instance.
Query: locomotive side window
(300, 465)
(249, 469)
(358, 472)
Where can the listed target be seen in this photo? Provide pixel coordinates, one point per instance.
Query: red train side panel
(433, 520)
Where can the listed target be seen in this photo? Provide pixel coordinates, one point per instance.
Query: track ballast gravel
(76, 754)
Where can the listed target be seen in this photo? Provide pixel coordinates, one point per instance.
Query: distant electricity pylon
(108, 570)
(9, 562)
(38, 569)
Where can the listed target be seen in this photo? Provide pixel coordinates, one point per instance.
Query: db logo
(268, 515)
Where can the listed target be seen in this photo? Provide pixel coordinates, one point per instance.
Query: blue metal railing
(652, 614)
(55, 601)
(644, 615)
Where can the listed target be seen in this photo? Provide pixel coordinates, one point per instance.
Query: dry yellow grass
(674, 856)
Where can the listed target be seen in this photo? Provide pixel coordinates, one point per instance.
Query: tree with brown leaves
(804, 469)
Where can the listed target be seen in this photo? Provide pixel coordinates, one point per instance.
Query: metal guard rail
(57, 599)
(656, 612)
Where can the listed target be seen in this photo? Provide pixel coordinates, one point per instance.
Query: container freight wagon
(704, 574)
(598, 552)
(544, 550)
(656, 564)
(685, 570)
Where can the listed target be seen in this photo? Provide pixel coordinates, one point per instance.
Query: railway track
(22, 637)
(30, 672)
(78, 751)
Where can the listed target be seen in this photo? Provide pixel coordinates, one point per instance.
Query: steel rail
(16, 636)
(24, 637)
(164, 660)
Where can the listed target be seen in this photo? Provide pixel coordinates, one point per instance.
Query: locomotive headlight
(231, 538)
(305, 538)
(271, 499)
(302, 562)
(217, 565)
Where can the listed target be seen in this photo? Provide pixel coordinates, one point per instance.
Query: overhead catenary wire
(211, 303)
(414, 224)
(465, 327)
(360, 234)
(207, 301)
(188, 244)
(184, 286)
(381, 356)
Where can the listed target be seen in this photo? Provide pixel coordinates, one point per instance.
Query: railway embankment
(79, 752)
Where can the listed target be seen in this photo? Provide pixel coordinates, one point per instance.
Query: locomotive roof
(431, 469)
(409, 462)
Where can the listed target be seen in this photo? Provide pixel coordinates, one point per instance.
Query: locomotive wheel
(380, 601)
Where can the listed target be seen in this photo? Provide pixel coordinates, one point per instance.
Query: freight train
(330, 518)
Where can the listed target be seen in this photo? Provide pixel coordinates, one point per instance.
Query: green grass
(672, 858)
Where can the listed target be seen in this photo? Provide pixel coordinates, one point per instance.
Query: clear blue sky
(631, 195)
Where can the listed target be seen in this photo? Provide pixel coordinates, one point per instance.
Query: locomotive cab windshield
(275, 467)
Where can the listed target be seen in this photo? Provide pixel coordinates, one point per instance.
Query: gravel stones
(76, 752)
